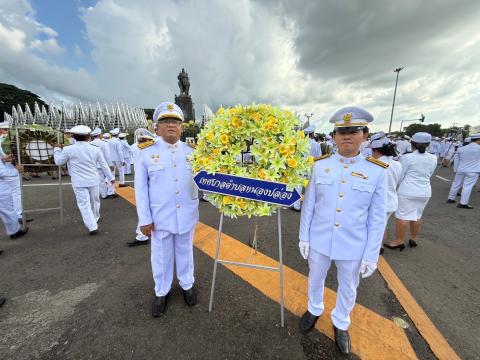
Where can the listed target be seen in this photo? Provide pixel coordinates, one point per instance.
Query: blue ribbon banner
(248, 188)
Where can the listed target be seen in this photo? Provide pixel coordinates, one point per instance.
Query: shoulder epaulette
(377, 162)
(146, 144)
(323, 157)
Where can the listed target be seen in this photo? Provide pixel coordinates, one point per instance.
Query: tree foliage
(432, 129)
(12, 96)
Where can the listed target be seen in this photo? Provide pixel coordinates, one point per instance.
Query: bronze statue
(183, 82)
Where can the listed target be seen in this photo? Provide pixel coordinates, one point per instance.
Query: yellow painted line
(373, 336)
(438, 344)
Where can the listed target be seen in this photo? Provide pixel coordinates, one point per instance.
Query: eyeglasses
(170, 121)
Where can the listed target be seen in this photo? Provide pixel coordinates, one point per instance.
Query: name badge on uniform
(155, 158)
(360, 175)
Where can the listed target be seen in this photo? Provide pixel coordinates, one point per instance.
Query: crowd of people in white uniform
(354, 188)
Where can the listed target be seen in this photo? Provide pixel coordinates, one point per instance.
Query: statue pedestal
(185, 103)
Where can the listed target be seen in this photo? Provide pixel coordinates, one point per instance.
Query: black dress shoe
(2, 300)
(112, 196)
(122, 185)
(401, 246)
(381, 251)
(342, 339)
(190, 296)
(412, 243)
(94, 232)
(450, 201)
(137, 242)
(159, 305)
(19, 234)
(462, 206)
(307, 322)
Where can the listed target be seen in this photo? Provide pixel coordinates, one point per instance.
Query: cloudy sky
(309, 56)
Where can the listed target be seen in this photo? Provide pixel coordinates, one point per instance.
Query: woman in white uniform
(385, 150)
(414, 191)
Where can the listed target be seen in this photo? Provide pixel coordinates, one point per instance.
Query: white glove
(367, 268)
(304, 247)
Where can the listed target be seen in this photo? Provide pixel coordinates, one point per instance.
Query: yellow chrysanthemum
(291, 162)
(241, 202)
(210, 136)
(228, 200)
(262, 174)
(256, 116)
(283, 149)
(236, 121)
(311, 160)
(224, 139)
(216, 151)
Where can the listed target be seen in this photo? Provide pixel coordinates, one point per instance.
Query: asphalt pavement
(75, 296)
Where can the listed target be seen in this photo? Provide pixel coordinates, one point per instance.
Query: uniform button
(338, 210)
(175, 180)
(178, 205)
(177, 192)
(341, 195)
(174, 165)
(343, 181)
(337, 224)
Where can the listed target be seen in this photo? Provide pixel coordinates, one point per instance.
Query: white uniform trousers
(8, 215)
(348, 276)
(127, 169)
(466, 181)
(102, 184)
(88, 202)
(140, 236)
(117, 165)
(168, 250)
(14, 184)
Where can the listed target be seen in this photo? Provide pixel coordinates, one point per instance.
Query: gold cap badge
(347, 117)
(170, 107)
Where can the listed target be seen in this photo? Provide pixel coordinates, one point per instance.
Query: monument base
(185, 103)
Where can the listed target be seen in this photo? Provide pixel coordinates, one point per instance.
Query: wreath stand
(254, 266)
(60, 193)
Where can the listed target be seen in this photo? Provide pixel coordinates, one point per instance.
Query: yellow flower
(206, 161)
(210, 136)
(216, 151)
(305, 183)
(283, 149)
(224, 139)
(256, 116)
(310, 160)
(241, 202)
(236, 122)
(228, 200)
(262, 174)
(220, 111)
(291, 162)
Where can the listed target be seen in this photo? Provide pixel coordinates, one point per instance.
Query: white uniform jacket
(7, 171)
(468, 159)
(344, 210)
(416, 172)
(127, 154)
(394, 172)
(103, 148)
(82, 159)
(115, 150)
(164, 190)
(315, 149)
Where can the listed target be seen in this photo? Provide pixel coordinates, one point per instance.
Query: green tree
(12, 96)
(432, 129)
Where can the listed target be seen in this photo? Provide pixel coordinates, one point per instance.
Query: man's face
(3, 131)
(348, 142)
(169, 129)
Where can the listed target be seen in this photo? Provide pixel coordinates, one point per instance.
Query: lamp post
(397, 70)
(308, 116)
(421, 119)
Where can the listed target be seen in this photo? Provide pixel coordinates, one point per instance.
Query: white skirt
(410, 207)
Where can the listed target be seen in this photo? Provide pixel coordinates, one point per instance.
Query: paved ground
(72, 296)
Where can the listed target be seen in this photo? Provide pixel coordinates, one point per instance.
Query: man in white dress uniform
(467, 170)
(343, 219)
(116, 156)
(82, 160)
(167, 206)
